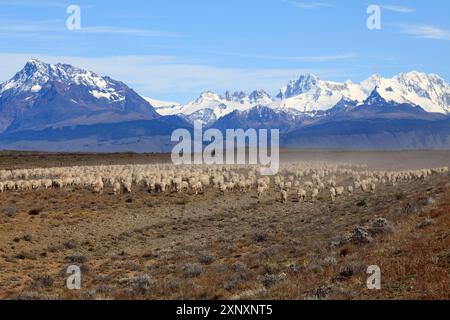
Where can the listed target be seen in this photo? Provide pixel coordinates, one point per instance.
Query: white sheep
(127, 186)
(314, 194)
(98, 185)
(260, 191)
(223, 188)
(57, 183)
(301, 193)
(284, 196)
(331, 183)
(117, 188)
(224, 177)
(339, 191)
(333, 194)
(197, 187)
(288, 185)
(47, 184)
(309, 184)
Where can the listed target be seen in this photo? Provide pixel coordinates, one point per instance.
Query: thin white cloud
(40, 3)
(31, 30)
(308, 5)
(33, 3)
(46, 27)
(399, 9)
(166, 77)
(124, 31)
(13, 27)
(316, 58)
(427, 32)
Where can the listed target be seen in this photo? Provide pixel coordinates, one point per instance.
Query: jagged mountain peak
(208, 95)
(375, 98)
(42, 95)
(429, 91)
(238, 96)
(313, 96)
(306, 79)
(416, 78)
(33, 65)
(296, 87)
(417, 74)
(37, 74)
(259, 95)
(211, 106)
(256, 96)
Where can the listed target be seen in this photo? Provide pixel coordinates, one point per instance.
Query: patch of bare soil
(232, 246)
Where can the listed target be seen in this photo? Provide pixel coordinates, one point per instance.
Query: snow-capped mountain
(312, 96)
(37, 74)
(260, 117)
(429, 91)
(309, 94)
(211, 106)
(44, 95)
(164, 108)
(63, 108)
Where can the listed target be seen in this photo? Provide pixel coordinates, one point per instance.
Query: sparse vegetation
(238, 243)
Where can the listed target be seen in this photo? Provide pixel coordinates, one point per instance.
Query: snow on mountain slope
(44, 95)
(428, 91)
(210, 106)
(36, 74)
(164, 108)
(311, 95)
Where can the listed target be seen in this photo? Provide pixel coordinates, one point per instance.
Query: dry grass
(224, 247)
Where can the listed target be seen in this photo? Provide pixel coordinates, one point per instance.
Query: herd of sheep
(306, 180)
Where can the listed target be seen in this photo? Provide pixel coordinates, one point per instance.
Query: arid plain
(216, 244)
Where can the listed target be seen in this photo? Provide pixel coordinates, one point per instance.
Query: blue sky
(173, 49)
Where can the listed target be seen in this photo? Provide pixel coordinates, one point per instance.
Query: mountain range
(312, 96)
(64, 108)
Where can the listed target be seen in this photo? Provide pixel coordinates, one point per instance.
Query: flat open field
(378, 160)
(211, 245)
